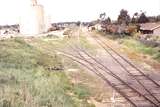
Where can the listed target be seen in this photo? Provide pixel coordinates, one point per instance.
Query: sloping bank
(26, 81)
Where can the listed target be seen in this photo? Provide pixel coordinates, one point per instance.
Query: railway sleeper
(135, 74)
(137, 98)
(126, 90)
(144, 104)
(121, 86)
(142, 77)
(134, 96)
(146, 94)
(149, 85)
(140, 101)
(155, 90)
(125, 87)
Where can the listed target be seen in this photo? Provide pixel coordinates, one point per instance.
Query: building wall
(40, 21)
(98, 27)
(157, 31)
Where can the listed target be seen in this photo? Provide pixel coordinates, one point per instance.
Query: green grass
(135, 45)
(140, 47)
(81, 91)
(83, 42)
(25, 80)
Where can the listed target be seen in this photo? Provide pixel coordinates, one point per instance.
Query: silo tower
(33, 21)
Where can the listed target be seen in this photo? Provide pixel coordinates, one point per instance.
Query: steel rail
(132, 65)
(137, 92)
(118, 78)
(102, 77)
(144, 87)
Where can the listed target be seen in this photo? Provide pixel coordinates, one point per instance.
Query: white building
(33, 20)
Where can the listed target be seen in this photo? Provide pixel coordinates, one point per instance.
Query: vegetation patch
(133, 44)
(26, 81)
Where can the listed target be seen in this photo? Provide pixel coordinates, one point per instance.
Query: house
(116, 29)
(150, 28)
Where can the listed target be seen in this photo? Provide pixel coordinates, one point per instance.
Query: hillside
(26, 79)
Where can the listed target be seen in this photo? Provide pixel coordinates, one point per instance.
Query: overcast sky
(74, 10)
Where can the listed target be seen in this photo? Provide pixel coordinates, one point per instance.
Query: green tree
(102, 16)
(108, 20)
(124, 17)
(143, 18)
(135, 18)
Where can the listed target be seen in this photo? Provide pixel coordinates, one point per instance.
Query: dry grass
(26, 81)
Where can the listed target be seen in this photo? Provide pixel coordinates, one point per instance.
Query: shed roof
(150, 26)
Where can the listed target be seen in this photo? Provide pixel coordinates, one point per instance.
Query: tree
(103, 20)
(78, 23)
(102, 16)
(158, 18)
(135, 18)
(143, 18)
(152, 18)
(106, 21)
(136, 14)
(123, 18)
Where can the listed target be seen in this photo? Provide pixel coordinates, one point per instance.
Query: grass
(135, 45)
(81, 91)
(26, 81)
(63, 43)
(140, 47)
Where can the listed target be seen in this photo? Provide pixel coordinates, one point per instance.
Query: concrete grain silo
(33, 20)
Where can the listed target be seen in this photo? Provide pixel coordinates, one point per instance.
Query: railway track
(132, 83)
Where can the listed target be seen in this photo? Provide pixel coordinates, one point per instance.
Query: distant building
(9, 29)
(150, 28)
(98, 27)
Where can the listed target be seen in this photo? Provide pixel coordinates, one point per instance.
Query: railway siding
(139, 88)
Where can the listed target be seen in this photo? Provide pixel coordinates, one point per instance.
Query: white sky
(74, 10)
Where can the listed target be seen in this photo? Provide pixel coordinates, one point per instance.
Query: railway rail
(132, 83)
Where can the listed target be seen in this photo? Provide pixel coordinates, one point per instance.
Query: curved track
(137, 87)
